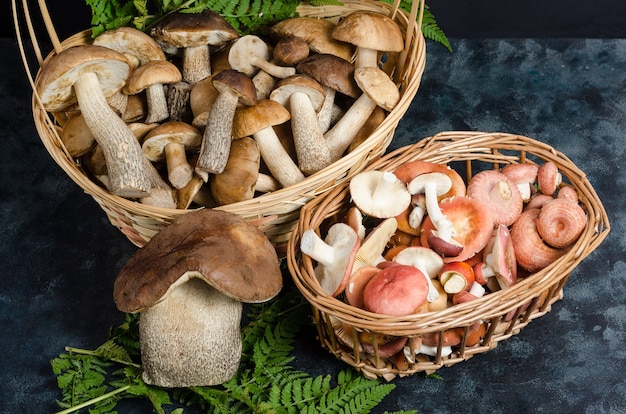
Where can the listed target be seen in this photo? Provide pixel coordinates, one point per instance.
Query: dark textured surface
(60, 254)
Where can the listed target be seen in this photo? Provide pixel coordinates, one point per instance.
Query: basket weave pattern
(275, 213)
(506, 312)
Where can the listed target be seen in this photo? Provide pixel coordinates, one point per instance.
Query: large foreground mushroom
(188, 282)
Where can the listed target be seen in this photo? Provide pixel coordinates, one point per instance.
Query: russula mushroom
(379, 194)
(189, 282)
(258, 121)
(561, 222)
(524, 175)
(471, 223)
(334, 255)
(396, 290)
(498, 193)
(433, 185)
(498, 259)
(531, 252)
(356, 285)
(238, 180)
(370, 32)
(378, 89)
(249, 54)
(87, 74)
(152, 77)
(456, 276)
(194, 32)
(233, 87)
(371, 251)
(316, 32)
(303, 97)
(427, 261)
(335, 75)
(411, 169)
(170, 141)
(548, 177)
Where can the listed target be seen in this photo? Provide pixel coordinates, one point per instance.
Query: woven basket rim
(460, 145)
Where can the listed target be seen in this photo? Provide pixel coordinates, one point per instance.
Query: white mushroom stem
(196, 63)
(416, 216)
(126, 163)
(216, 139)
(444, 227)
(365, 58)
(311, 150)
(325, 113)
(179, 171)
(276, 158)
(157, 103)
(263, 83)
(265, 183)
(477, 290)
(317, 249)
(339, 137)
(273, 69)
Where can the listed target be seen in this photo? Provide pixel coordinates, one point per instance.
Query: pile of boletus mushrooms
(154, 117)
(419, 239)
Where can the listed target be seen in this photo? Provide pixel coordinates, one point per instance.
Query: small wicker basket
(276, 213)
(505, 312)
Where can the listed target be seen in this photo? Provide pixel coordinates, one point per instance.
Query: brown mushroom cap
(331, 71)
(218, 247)
(266, 113)
(370, 30)
(171, 132)
(151, 73)
(194, 29)
(316, 32)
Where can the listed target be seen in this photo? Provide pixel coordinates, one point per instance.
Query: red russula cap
(498, 193)
(396, 290)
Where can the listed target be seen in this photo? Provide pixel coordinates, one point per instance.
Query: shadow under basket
(503, 313)
(275, 213)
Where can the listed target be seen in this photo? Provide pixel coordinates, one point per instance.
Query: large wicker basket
(470, 151)
(275, 213)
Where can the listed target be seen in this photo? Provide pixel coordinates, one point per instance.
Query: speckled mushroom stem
(311, 149)
(216, 139)
(126, 164)
(196, 63)
(157, 103)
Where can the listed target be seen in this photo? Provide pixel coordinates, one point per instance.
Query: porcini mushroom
(170, 141)
(194, 32)
(239, 179)
(257, 121)
(152, 77)
(233, 87)
(131, 42)
(303, 96)
(370, 32)
(378, 89)
(316, 32)
(335, 75)
(249, 54)
(188, 282)
(87, 74)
